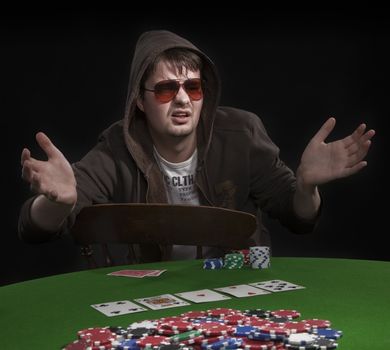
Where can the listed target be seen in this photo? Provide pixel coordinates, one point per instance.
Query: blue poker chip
(328, 333)
(243, 331)
(127, 344)
(212, 264)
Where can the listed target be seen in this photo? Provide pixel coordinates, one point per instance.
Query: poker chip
(250, 344)
(328, 333)
(258, 313)
(143, 324)
(290, 314)
(185, 336)
(120, 332)
(179, 325)
(301, 339)
(79, 344)
(191, 315)
(139, 332)
(127, 344)
(214, 329)
(213, 264)
(276, 319)
(316, 323)
(222, 312)
(97, 336)
(243, 331)
(170, 347)
(233, 261)
(235, 319)
(297, 327)
(152, 341)
(325, 344)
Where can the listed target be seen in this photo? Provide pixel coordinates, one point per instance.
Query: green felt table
(354, 295)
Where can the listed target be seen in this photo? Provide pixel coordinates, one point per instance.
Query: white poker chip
(301, 339)
(143, 324)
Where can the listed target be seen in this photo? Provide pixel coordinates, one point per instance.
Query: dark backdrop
(67, 73)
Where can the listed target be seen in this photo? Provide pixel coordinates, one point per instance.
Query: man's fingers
(46, 144)
(26, 154)
(325, 130)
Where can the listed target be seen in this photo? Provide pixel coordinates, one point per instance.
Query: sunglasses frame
(178, 83)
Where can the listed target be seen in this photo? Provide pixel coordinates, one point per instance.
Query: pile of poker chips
(214, 329)
(257, 257)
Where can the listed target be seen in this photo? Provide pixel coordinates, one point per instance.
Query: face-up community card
(242, 290)
(137, 273)
(202, 296)
(163, 301)
(116, 308)
(276, 285)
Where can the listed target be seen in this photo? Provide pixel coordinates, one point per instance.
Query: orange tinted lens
(193, 88)
(165, 91)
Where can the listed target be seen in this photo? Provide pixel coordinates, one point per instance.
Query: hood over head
(149, 46)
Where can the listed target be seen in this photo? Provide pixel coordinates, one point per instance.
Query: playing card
(116, 308)
(276, 285)
(136, 273)
(242, 290)
(163, 301)
(202, 296)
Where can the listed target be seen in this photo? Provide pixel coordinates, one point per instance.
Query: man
(176, 145)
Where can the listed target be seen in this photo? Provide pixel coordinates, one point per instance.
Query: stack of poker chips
(214, 329)
(260, 257)
(234, 261)
(212, 264)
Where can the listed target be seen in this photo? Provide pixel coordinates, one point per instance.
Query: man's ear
(140, 104)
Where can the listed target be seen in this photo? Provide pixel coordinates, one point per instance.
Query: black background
(66, 74)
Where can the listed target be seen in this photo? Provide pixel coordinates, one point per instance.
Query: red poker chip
(181, 325)
(316, 323)
(170, 319)
(258, 344)
(167, 332)
(211, 340)
(222, 312)
(100, 347)
(274, 330)
(196, 340)
(79, 344)
(97, 336)
(296, 327)
(192, 315)
(290, 314)
(235, 319)
(215, 329)
(258, 322)
(152, 340)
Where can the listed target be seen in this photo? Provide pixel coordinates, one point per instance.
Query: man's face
(177, 118)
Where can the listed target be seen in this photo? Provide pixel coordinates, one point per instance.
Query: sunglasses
(166, 90)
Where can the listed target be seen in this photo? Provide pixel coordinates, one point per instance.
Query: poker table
(354, 295)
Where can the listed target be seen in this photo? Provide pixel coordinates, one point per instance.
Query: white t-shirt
(180, 179)
(181, 189)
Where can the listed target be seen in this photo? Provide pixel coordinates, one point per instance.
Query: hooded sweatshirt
(238, 164)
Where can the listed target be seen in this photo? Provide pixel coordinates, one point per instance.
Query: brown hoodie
(238, 164)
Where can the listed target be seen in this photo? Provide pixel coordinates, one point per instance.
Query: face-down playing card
(163, 301)
(276, 285)
(116, 308)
